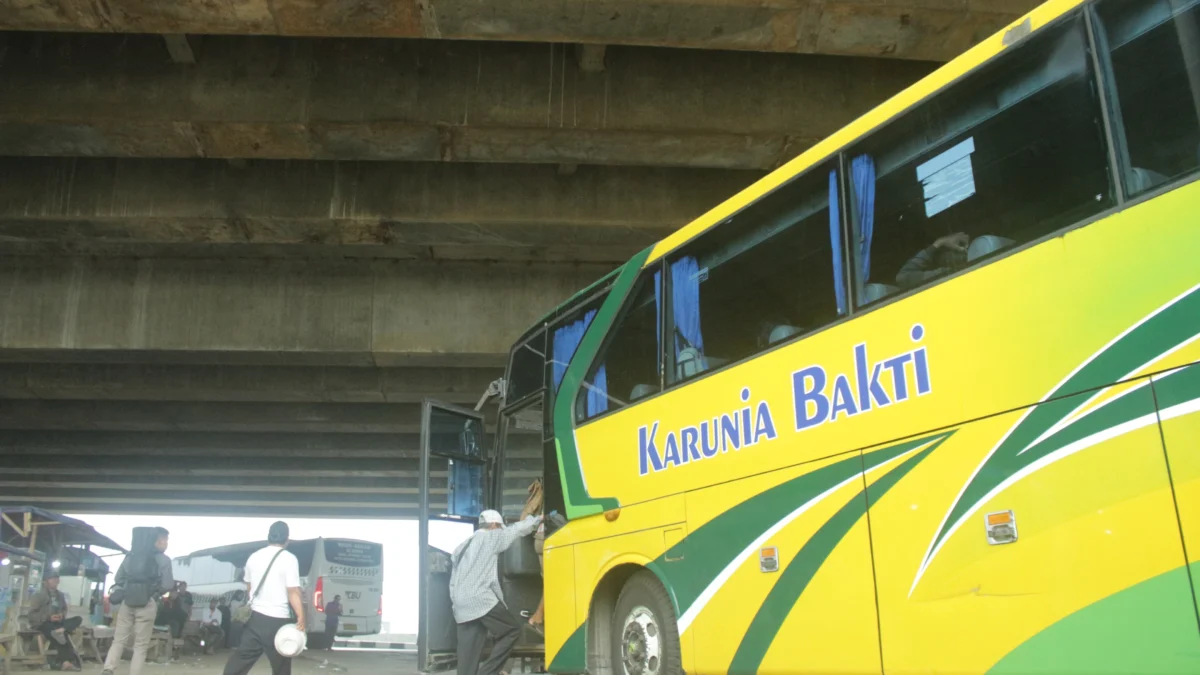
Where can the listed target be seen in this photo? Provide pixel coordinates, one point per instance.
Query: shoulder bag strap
(258, 587)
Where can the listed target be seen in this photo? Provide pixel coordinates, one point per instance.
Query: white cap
(491, 517)
(290, 641)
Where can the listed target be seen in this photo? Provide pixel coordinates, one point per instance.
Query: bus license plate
(350, 626)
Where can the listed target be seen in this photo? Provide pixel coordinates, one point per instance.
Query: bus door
(520, 462)
(453, 492)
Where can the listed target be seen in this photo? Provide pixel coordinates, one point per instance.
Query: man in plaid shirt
(476, 597)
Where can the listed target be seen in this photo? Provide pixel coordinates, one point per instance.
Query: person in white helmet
(475, 594)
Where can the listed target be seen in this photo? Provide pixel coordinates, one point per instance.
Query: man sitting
(211, 633)
(48, 616)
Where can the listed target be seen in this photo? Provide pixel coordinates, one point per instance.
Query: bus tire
(645, 634)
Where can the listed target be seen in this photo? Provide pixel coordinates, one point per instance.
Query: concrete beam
(453, 211)
(132, 382)
(429, 101)
(183, 49)
(909, 29)
(169, 446)
(374, 418)
(274, 312)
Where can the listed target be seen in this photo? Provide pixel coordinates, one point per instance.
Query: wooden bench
(31, 649)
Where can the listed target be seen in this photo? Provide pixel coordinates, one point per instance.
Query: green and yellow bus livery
(925, 399)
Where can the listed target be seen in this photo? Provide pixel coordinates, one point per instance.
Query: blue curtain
(566, 343)
(862, 170)
(597, 395)
(685, 306)
(566, 340)
(835, 240)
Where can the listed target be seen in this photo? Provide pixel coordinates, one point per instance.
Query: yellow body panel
(737, 601)
(1089, 525)
(1181, 436)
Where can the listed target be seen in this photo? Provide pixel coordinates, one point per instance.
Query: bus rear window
(353, 553)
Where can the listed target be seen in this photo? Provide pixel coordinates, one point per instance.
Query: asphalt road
(309, 663)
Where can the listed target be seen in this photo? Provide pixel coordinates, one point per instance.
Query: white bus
(350, 568)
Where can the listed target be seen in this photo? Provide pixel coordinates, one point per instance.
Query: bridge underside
(242, 240)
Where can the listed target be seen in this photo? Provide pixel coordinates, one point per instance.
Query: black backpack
(141, 578)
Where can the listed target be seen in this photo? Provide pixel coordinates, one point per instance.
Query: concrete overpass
(241, 240)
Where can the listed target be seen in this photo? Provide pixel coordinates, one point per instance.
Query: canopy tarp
(47, 532)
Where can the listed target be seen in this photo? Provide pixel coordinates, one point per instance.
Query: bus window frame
(542, 329)
(1080, 13)
(834, 163)
(580, 418)
(507, 413)
(561, 319)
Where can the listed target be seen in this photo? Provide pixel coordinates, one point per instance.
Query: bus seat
(986, 245)
(874, 292)
(782, 332)
(642, 391)
(1141, 180)
(690, 363)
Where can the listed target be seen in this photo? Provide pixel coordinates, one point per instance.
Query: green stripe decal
(579, 502)
(572, 656)
(714, 545)
(1175, 323)
(808, 560)
(1147, 628)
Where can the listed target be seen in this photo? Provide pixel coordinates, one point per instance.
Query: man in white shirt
(210, 628)
(273, 584)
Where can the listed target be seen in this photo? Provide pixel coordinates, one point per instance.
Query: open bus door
(453, 492)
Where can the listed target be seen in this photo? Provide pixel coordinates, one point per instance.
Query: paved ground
(310, 663)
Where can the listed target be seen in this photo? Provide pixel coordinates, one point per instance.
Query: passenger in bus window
(948, 254)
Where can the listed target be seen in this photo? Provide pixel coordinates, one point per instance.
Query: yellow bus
(925, 399)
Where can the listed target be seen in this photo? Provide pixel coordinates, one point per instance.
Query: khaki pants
(134, 625)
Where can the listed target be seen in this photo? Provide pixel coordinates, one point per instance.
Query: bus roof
(237, 554)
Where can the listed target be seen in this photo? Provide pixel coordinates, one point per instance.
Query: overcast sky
(399, 539)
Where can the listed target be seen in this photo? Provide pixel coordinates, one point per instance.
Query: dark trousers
(472, 634)
(66, 650)
(178, 619)
(331, 628)
(258, 638)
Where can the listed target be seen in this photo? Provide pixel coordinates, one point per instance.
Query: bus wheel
(645, 635)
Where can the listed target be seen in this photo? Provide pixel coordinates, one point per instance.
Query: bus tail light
(319, 595)
(380, 612)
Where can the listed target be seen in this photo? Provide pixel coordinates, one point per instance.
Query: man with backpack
(141, 579)
(273, 582)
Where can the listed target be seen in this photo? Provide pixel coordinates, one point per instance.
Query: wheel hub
(641, 644)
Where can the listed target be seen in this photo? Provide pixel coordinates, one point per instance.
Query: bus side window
(1005, 156)
(627, 368)
(1154, 59)
(770, 273)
